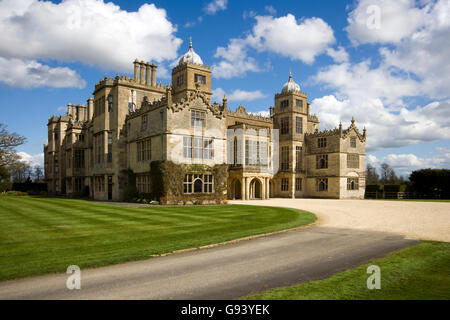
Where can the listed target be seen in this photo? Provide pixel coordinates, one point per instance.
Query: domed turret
(290, 86)
(190, 56)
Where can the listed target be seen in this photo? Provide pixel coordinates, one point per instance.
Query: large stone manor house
(131, 122)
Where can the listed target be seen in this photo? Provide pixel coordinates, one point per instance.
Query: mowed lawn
(420, 272)
(43, 235)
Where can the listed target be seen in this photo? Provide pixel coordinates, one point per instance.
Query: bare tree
(372, 176)
(8, 143)
(38, 173)
(388, 175)
(20, 171)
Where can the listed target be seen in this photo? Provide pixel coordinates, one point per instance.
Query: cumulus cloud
(238, 95)
(338, 55)
(360, 80)
(287, 36)
(33, 160)
(386, 128)
(404, 164)
(88, 31)
(383, 21)
(32, 74)
(271, 10)
(216, 5)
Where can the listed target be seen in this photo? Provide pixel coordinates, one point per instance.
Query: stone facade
(131, 122)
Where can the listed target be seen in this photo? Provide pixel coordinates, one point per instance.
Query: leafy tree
(5, 183)
(431, 183)
(8, 143)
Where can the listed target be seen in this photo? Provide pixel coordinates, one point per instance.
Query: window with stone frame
(110, 103)
(299, 103)
(298, 184)
(352, 183)
(353, 142)
(322, 161)
(143, 183)
(321, 142)
(285, 158)
(284, 103)
(198, 183)
(284, 184)
(144, 148)
(79, 159)
(197, 119)
(180, 80)
(198, 148)
(109, 154)
(352, 160)
(284, 125)
(299, 125)
(322, 184)
(198, 78)
(144, 122)
(298, 158)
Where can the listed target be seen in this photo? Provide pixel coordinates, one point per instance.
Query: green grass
(418, 272)
(43, 235)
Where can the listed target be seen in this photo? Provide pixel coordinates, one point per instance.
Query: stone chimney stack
(136, 70)
(80, 113)
(147, 73)
(90, 108)
(153, 66)
(68, 109)
(73, 112)
(142, 77)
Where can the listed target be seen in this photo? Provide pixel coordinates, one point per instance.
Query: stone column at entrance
(263, 189)
(247, 188)
(293, 187)
(243, 189)
(267, 182)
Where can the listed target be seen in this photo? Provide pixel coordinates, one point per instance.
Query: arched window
(198, 186)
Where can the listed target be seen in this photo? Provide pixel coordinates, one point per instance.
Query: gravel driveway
(412, 219)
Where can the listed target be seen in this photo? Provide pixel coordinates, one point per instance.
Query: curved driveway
(348, 233)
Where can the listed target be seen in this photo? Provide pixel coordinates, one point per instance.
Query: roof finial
(190, 42)
(353, 120)
(290, 74)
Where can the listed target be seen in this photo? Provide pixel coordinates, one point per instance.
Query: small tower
(190, 75)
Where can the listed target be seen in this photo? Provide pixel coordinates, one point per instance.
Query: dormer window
(198, 78)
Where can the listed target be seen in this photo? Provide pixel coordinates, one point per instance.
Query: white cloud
(404, 164)
(235, 62)
(263, 113)
(32, 74)
(297, 39)
(238, 95)
(271, 10)
(397, 19)
(359, 80)
(216, 5)
(339, 55)
(426, 52)
(386, 128)
(89, 31)
(36, 159)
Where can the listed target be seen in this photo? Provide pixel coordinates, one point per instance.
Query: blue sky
(383, 62)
